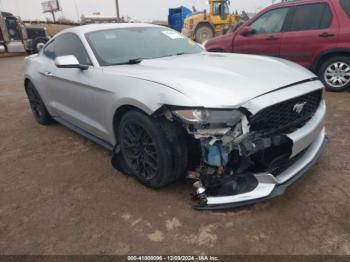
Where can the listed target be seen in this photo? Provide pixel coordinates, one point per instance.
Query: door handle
(326, 34)
(48, 74)
(271, 38)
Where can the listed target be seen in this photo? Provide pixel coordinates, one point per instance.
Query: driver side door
(70, 90)
(266, 36)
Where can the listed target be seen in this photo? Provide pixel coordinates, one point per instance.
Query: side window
(326, 17)
(49, 50)
(346, 6)
(270, 22)
(70, 44)
(217, 9)
(311, 17)
(221, 9)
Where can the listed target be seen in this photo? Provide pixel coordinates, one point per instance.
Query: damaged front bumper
(306, 145)
(268, 185)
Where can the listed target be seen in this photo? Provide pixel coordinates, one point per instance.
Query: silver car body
(88, 100)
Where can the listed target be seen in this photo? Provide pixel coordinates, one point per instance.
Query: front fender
(146, 96)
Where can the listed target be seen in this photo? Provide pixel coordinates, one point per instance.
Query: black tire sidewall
(45, 118)
(163, 176)
(324, 68)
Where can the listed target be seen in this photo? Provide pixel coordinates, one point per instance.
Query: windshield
(226, 10)
(120, 46)
(221, 9)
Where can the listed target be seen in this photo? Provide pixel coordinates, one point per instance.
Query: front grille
(287, 116)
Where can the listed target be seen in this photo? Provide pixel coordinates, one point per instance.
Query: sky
(142, 10)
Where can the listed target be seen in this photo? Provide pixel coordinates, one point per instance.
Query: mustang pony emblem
(298, 108)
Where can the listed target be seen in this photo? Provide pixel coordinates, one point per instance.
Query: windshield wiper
(136, 61)
(183, 53)
(133, 61)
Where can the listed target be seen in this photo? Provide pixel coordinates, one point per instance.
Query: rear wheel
(335, 73)
(37, 105)
(149, 152)
(204, 33)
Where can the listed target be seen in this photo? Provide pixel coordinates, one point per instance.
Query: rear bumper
(311, 140)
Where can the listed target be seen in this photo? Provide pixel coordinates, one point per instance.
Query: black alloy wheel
(152, 150)
(139, 150)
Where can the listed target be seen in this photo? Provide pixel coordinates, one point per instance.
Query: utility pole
(117, 6)
(77, 10)
(53, 15)
(51, 6)
(52, 11)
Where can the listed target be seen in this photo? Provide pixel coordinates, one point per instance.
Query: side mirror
(69, 61)
(247, 31)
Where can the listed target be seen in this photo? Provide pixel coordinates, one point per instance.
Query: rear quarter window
(345, 4)
(311, 17)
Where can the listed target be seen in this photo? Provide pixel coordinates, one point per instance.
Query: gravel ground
(60, 195)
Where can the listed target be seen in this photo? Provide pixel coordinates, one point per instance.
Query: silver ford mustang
(242, 127)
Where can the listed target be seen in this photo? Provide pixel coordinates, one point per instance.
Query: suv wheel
(151, 150)
(335, 73)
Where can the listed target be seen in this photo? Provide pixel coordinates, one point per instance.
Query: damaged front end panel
(230, 153)
(240, 163)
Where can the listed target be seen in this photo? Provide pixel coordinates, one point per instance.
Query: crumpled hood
(220, 80)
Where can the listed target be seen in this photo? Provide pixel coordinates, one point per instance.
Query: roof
(297, 2)
(97, 27)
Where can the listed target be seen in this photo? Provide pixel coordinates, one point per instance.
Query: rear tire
(335, 73)
(152, 150)
(39, 44)
(37, 105)
(204, 33)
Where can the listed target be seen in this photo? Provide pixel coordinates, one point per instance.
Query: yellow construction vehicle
(201, 26)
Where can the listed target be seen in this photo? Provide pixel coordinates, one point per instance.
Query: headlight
(209, 116)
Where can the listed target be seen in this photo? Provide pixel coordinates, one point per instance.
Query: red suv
(312, 33)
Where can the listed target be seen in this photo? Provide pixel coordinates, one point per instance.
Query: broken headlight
(209, 116)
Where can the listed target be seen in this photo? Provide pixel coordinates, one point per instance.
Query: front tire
(204, 33)
(37, 105)
(151, 151)
(335, 73)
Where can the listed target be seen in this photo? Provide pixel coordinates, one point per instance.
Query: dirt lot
(60, 195)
